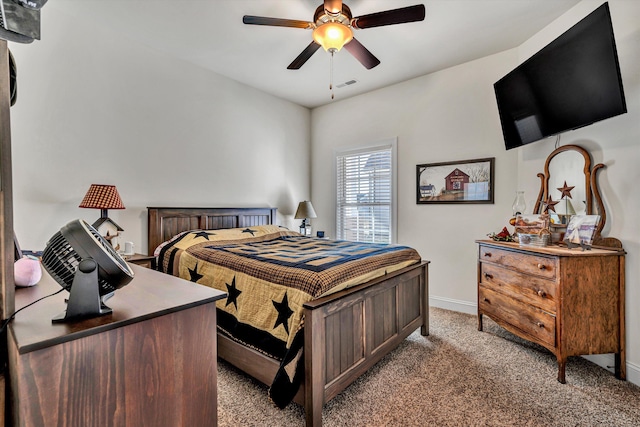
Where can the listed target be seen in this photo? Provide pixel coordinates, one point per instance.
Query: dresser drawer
(526, 318)
(532, 290)
(524, 262)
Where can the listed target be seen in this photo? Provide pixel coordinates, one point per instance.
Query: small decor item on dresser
(581, 231)
(543, 238)
(27, 271)
(533, 230)
(531, 224)
(26, 268)
(519, 205)
(565, 209)
(502, 236)
(549, 205)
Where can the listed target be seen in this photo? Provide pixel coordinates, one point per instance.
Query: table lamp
(304, 212)
(104, 197)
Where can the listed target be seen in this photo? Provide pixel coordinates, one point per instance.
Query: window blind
(365, 195)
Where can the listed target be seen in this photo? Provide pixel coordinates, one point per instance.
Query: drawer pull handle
(542, 267)
(542, 293)
(485, 299)
(540, 325)
(487, 254)
(488, 276)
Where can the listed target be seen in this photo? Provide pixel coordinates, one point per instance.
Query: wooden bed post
(424, 291)
(314, 366)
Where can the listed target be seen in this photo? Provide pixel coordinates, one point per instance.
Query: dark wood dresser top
(150, 294)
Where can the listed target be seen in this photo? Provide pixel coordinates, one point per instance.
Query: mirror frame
(590, 181)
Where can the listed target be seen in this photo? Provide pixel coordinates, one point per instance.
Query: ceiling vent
(347, 83)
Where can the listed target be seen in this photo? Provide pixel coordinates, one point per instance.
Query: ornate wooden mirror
(570, 166)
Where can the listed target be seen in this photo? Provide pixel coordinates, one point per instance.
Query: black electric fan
(87, 266)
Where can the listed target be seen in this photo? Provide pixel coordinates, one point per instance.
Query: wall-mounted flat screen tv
(572, 82)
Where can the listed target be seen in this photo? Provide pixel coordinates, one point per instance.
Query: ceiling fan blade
(333, 6)
(390, 17)
(275, 22)
(304, 56)
(366, 58)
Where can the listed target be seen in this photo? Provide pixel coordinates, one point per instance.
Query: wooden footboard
(345, 333)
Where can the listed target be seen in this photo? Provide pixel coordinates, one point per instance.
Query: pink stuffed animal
(27, 271)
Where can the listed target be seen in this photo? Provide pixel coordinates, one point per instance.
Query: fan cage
(60, 260)
(77, 241)
(110, 251)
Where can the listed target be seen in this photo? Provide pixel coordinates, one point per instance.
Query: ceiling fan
(333, 26)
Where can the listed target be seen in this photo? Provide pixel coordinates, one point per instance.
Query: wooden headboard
(164, 223)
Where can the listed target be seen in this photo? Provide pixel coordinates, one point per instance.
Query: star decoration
(248, 230)
(233, 293)
(204, 234)
(566, 191)
(284, 313)
(195, 276)
(549, 205)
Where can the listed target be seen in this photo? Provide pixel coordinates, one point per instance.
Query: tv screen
(572, 82)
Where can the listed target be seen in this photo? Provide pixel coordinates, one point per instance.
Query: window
(365, 194)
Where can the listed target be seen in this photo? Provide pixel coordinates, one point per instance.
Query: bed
(345, 332)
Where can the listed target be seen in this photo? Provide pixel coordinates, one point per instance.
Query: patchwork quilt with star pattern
(268, 273)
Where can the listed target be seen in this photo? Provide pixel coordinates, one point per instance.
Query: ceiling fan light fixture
(333, 7)
(332, 36)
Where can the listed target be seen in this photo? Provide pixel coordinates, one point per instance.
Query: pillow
(232, 234)
(157, 250)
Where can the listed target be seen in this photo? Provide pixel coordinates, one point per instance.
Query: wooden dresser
(152, 362)
(567, 300)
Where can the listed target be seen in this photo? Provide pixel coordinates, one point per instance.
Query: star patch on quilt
(195, 276)
(284, 313)
(232, 293)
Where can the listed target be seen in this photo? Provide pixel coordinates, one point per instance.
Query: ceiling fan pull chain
(331, 74)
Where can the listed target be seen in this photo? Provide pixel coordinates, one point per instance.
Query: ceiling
(210, 34)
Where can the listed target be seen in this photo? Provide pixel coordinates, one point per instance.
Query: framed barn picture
(466, 181)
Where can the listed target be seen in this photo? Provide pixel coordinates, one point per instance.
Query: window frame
(385, 144)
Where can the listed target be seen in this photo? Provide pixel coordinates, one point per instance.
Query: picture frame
(463, 181)
(17, 252)
(581, 231)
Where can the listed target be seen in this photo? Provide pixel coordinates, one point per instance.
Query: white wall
(446, 116)
(94, 107)
(452, 115)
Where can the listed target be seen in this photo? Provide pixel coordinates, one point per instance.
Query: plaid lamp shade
(102, 196)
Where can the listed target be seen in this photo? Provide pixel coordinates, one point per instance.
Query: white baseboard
(454, 305)
(607, 362)
(604, 360)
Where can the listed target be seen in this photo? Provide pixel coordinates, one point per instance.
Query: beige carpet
(456, 376)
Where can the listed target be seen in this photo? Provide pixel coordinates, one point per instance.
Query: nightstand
(148, 261)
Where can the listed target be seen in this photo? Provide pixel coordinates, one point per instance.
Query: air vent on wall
(347, 83)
